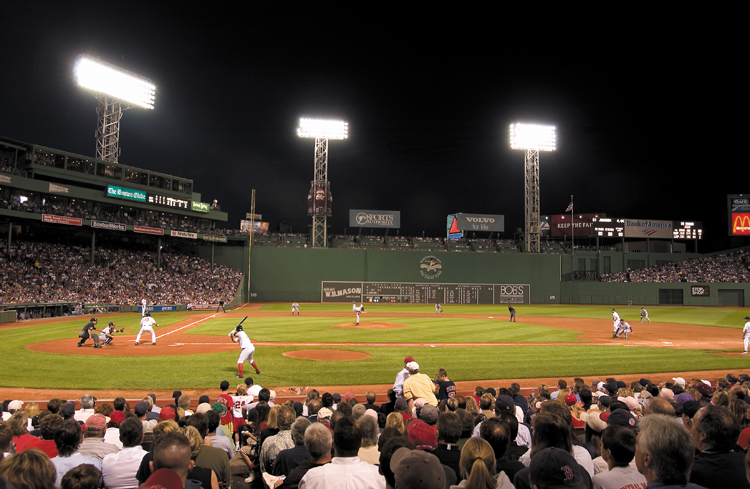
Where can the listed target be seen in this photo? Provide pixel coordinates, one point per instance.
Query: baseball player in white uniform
(644, 315)
(616, 320)
(746, 334)
(238, 335)
(438, 309)
(295, 307)
(147, 324)
(143, 307)
(358, 309)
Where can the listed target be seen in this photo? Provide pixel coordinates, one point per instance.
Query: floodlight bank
(322, 128)
(533, 136)
(108, 79)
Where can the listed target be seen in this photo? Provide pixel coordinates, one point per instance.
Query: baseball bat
(243, 320)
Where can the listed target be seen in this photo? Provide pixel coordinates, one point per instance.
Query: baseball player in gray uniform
(624, 328)
(746, 334)
(295, 308)
(616, 320)
(438, 309)
(358, 309)
(644, 315)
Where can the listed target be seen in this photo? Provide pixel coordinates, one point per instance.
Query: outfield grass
(25, 368)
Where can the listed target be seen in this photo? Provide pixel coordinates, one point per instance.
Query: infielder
(746, 333)
(238, 335)
(106, 336)
(644, 315)
(624, 328)
(358, 309)
(512, 312)
(147, 324)
(143, 307)
(295, 307)
(438, 309)
(616, 319)
(86, 334)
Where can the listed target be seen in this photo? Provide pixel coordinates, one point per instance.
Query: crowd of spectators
(604, 434)
(733, 267)
(37, 272)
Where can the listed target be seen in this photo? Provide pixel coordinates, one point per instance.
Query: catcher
(238, 335)
(107, 334)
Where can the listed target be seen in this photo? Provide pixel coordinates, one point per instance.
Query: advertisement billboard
(578, 225)
(738, 213)
(645, 228)
(126, 193)
(480, 222)
(363, 218)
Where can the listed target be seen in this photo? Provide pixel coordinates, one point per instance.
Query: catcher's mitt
(121, 330)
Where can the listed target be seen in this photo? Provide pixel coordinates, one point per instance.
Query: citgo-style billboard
(738, 213)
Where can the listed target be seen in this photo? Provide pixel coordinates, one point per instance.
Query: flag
(570, 207)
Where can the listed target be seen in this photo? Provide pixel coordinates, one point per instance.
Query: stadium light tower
(319, 200)
(116, 90)
(533, 138)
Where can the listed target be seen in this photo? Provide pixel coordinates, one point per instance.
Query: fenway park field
(324, 348)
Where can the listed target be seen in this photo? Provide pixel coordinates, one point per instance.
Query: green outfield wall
(282, 274)
(295, 274)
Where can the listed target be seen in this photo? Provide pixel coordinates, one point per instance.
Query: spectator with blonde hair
(478, 467)
(395, 420)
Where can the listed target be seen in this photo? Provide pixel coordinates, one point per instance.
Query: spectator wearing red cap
(94, 445)
(112, 435)
(398, 385)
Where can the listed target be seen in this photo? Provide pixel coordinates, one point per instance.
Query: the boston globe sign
(363, 218)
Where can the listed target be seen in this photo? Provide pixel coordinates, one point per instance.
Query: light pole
(117, 90)
(533, 138)
(319, 199)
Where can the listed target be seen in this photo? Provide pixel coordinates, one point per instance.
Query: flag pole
(572, 227)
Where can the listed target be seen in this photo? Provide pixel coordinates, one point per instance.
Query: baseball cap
(408, 359)
(96, 421)
(593, 420)
(505, 403)
(141, 408)
(417, 469)
(491, 391)
(553, 468)
(337, 398)
(412, 366)
(679, 380)
(67, 410)
(605, 400)
(683, 398)
(203, 407)
(400, 404)
(15, 405)
(631, 402)
(349, 395)
(324, 413)
(163, 479)
(705, 390)
(570, 399)
(218, 407)
(621, 417)
(690, 408)
(644, 382)
(118, 417)
(429, 414)
(166, 413)
(204, 398)
(422, 435)
(611, 388)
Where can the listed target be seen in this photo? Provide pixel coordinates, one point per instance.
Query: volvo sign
(481, 222)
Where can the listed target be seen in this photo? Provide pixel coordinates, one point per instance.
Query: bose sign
(480, 222)
(362, 218)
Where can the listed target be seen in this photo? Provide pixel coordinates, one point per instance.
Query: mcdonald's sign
(741, 224)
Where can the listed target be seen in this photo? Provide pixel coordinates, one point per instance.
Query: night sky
(644, 106)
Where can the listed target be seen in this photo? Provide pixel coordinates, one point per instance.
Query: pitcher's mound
(328, 355)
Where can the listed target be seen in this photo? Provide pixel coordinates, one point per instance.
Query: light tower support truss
(532, 207)
(108, 129)
(319, 233)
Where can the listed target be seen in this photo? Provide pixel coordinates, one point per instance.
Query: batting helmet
(148, 314)
(93, 320)
(111, 324)
(238, 328)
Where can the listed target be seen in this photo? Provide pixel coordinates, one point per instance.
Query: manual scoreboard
(425, 293)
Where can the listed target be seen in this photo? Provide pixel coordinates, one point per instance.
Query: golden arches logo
(741, 224)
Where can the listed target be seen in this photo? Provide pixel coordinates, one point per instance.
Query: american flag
(570, 207)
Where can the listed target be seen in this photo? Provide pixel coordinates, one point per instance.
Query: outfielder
(644, 315)
(238, 335)
(746, 333)
(616, 319)
(295, 307)
(358, 309)
(438, 309)
(86, 333)
(147, 324)
(106, 334)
